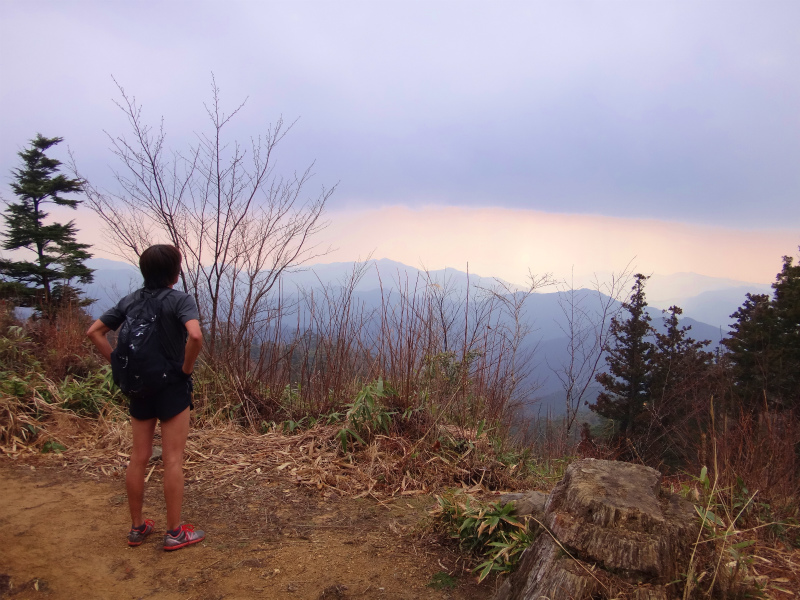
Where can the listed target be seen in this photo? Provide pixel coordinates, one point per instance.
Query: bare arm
(193, 345)
(97, 334)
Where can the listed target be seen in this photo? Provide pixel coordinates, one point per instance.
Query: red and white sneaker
(186, 535)
(137, 536)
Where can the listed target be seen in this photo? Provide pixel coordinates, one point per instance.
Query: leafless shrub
(238, 224)
(587, 319)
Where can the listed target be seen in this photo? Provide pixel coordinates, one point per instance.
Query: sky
(551, 136)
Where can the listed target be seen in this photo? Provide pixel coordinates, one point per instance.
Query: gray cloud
(670, 110)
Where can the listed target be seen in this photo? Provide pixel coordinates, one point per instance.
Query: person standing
(180, 339)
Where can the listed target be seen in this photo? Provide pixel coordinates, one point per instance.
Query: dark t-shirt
(176, 309)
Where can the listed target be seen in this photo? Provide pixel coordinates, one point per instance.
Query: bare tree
(587, 315)
(238, 224)
(513, 328)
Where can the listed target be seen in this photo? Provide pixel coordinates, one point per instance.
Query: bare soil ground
(63, 535)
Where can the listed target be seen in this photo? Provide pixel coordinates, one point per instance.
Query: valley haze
(715, 298)
(710, 300)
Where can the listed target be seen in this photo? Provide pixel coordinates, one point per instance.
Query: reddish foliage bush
(759, 452)
(61, 344)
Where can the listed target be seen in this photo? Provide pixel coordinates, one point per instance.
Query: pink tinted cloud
(507, 242)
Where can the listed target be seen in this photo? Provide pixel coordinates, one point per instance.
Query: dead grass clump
(758, 452)
(35, 424)
(61, 345)
(7, 316)
(749, 542)
(17, 425)
(224, 455)
(17, 351)
(54, 347)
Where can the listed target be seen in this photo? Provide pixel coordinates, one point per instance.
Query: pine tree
(764, 345)
(682, 379)
(679, 362)
(786, 299)
(58, 255)
(750, 349)
(629, 354)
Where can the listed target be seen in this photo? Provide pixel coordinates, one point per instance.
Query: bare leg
(134, 476)
(174, 432)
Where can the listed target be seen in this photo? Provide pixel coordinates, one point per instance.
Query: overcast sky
(634, 114)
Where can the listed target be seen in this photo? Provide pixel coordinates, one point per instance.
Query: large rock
(611, 528)
(526, 504)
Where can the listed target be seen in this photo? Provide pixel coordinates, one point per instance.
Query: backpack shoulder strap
(139, 297)
(159, 294)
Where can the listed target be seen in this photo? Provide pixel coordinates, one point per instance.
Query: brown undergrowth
(740, 553)
(387, 466)
(51, 401)
(375, 448)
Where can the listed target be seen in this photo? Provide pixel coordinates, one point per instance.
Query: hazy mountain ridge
(383, 279)
(379, 274)
(386, 274)
(709, 300)
(114, 279)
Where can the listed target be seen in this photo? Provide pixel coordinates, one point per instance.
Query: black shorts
(170, 401)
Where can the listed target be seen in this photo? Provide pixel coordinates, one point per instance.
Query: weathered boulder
(610, 527)
(526, 504)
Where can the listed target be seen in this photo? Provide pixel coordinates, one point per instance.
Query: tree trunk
(610, 529)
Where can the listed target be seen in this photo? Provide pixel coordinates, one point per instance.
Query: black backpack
(139, 363)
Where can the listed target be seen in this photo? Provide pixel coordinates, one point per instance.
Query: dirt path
(62, 535)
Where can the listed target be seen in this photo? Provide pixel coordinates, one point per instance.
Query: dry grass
(226, 455)
(222, 457)
(424, 459)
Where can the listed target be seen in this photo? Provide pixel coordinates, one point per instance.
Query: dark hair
(160, 266)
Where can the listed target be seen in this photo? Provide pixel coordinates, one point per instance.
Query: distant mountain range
(707, 303)
(709, 299)
(113, 279)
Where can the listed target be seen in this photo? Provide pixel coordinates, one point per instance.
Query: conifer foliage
(627, 382)
(654, 376)
(58, 257)
(764, 345)
(679, 365)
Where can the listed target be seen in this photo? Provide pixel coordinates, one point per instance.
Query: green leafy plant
(550, 471)
(333, 417)
(53, 446)
(366, 415)
(13, 385)
(233, 411)
(291, 426)
(290, 395)
(89, 395)
(442, 580)
(488, 530)
(721, 527)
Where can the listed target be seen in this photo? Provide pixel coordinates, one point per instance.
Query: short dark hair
(160, 266)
